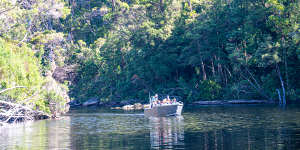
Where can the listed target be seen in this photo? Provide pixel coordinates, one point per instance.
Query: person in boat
(174, 100)
(168, 100)
(156, 100)
(164, 101)
(156, 97)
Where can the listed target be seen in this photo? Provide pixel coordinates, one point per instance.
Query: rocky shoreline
(233, 102)
(94, 102)
(135, 105)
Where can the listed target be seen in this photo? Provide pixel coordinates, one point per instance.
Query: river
(208, 128)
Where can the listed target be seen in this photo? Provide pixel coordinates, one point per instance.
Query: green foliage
(31, 44)
(209, 90)
(196, 49)
(200, 50)
(53, 102)
(19, 67)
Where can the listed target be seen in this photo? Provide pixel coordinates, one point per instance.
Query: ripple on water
(200, 128)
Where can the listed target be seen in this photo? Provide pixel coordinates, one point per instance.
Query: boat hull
(164, 110)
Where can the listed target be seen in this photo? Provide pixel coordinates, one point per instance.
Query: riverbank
(233, 102)
(135, 105)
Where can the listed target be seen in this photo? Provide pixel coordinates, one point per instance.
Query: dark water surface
(214, 127)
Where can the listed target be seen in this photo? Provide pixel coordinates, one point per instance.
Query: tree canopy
(124, 49)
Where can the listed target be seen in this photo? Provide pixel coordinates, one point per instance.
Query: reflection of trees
(166, 132)
(109, 131)
(205, 130)
(243, 139)
(241, 128)
(59, 133)
(44, 134)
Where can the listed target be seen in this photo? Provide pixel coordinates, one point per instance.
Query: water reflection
(45, 134)
(205, 128)
(242, 128)
(166, 132)
(109, 131)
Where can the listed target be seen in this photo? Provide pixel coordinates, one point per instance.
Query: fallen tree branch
(12, 113)
(8, 9)
(12, 88)
(256, 87)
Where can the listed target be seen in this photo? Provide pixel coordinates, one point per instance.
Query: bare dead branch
(6, 10)
(11, 88)
(12, 112)
(257, 88)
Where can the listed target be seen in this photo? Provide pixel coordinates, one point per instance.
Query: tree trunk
(219, 68)
(113, 5)
(279, 96)
(213, 68)
(282, 85)
(286, 72)
(161, 5)
(190, 5)
(203, 70)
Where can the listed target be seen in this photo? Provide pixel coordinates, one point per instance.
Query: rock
(122, 103)
(128, 107)
(231, 102)
(138, 106)
(74, 103)
(91, 101)
(209, 102)
(249, 102)
(112, 104)
(115, 108)
(101, 103)
(65, 73)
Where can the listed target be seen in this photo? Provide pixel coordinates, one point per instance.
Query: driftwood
(11, 113)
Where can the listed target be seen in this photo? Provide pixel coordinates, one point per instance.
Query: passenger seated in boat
(165, 101)
(169, 100)
(174, 100)
(156, 102)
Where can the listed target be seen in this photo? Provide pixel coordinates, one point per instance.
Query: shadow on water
(207, 128)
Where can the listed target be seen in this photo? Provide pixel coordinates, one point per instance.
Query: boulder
(74, 103)
(128, 107)
(91, 101)
(122, 103)
(138, 106)
(115, 108)
(111, 104)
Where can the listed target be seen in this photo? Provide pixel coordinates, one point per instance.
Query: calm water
(228, 127)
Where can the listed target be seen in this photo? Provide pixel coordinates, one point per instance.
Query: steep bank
(25, 94)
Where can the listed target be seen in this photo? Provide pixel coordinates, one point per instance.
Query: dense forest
(118, 50)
